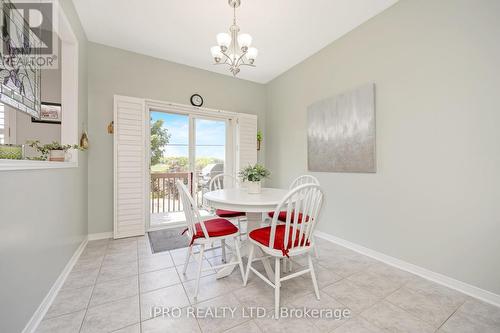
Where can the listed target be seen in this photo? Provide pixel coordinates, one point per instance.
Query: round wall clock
(197, 100)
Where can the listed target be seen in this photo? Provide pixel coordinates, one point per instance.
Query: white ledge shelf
(13, 165)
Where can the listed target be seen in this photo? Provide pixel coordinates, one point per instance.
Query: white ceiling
(285, 31)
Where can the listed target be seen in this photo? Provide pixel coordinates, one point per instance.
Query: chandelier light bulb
(216, 53)
(244, 40)
(252, 54)
(224, 40)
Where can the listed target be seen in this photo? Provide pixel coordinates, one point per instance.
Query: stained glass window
(19, 72)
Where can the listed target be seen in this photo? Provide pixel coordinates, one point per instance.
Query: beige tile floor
(115, 283)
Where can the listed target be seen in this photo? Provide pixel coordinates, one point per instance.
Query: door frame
(192, 112)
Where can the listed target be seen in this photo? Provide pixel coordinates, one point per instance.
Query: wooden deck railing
(164, 195)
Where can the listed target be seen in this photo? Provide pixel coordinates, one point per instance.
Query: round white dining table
(254, 205)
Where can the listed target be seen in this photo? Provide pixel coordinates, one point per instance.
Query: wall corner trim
(444, 280)
(42, 309)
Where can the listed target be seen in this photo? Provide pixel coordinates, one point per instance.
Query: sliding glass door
(188, 148)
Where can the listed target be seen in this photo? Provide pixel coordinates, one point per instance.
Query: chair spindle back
(302, 205)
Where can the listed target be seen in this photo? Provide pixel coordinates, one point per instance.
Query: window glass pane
(176, 158)
(176, 125)
(210, 143)
(210, 153)
(210, 132)
(210, 148)
(174, 155)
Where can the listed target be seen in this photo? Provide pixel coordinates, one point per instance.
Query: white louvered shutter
(130, 181)
(246, 141)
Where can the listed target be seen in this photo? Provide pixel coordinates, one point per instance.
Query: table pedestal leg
(253, 222)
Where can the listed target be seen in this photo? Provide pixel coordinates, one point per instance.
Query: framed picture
(50, 113)
(341, 132)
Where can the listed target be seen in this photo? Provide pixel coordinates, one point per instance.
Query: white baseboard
(51, 295)
(101, 235)
(444, 280)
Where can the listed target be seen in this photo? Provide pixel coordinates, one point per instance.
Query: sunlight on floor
(163, 219)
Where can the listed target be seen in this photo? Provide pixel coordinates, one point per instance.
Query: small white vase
(253, 187)
(57, 155)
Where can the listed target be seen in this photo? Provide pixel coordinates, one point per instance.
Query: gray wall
(434, 199)
(114, 71)
(43, 219)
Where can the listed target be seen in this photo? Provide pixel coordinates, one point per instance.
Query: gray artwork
(341, 132)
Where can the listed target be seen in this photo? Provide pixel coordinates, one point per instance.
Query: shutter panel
(130, 168)
(246, 141)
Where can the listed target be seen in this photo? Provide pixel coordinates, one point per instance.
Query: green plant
(254, 173)
(46, 148)
(259, 136)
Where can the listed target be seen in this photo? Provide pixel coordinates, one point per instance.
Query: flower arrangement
(254, 173)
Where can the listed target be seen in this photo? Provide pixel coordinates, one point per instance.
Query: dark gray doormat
(167, 239)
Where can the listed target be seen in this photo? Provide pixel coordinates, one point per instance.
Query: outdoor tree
(159, 138)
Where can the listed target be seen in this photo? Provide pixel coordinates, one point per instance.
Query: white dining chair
(204, 233)
(304, 179)
(300, 180)
(284, 240)
(220, 182)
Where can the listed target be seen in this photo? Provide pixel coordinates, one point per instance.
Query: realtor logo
(28, 33)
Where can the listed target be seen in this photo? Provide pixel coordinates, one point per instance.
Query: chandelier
(234, 49)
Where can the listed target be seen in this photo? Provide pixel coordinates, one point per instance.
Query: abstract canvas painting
(341, 132)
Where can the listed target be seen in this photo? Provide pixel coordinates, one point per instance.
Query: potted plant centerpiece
(52, 151)
(252, 176)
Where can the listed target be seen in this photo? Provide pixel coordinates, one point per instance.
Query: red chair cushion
(282, 216)
(215, 228)
(262, 236)
(228, 213)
